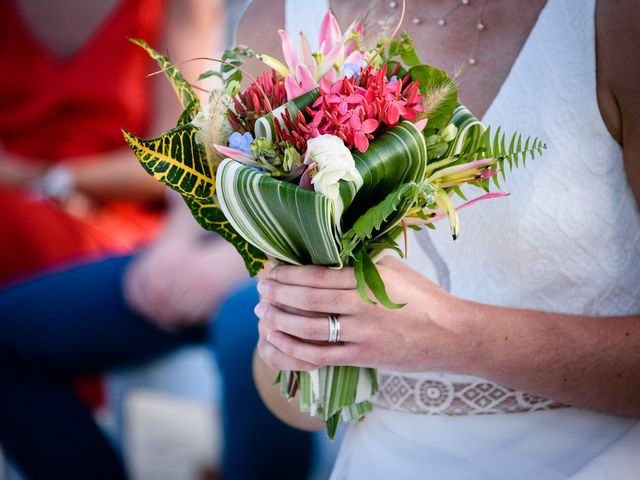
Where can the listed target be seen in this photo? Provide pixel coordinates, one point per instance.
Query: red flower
(251, 104)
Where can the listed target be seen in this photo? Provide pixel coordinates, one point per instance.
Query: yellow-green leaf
(211, 218)
(176, 160)
(183, 90)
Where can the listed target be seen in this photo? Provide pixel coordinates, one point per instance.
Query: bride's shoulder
(617, 33)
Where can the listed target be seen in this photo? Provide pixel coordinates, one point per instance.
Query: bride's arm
(588, 362)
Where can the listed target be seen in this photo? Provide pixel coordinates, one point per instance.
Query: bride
(518, 354)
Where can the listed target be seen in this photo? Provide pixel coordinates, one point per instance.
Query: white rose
(335, 163)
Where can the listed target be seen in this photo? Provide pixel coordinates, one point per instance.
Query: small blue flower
(394, 78)
(353, 69)
(241, 142)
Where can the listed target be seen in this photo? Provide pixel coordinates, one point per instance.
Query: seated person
(68, 184)
(120, 311)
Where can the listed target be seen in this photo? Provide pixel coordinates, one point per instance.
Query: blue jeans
(77, 322)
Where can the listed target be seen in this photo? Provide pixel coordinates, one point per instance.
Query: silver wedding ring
(334, 328)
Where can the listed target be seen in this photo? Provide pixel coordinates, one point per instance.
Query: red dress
(54, 110)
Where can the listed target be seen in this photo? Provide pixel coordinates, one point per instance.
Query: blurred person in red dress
(69, 186)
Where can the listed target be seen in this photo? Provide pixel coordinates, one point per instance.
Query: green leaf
(404, 48)
(396, 157)
(188, 113)
(210, 217)
(183, 90)
(361, 284)
(440, 94)
(176, 160)
(376, 216)
(283, 220)
(376, 285)
(208, 74)
(235, 58)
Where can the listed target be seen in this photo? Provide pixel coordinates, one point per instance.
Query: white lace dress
(567, 240)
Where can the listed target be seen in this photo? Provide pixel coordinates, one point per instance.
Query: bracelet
(57, 184)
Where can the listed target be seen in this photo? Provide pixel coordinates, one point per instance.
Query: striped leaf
(183, 89)
(283, 220)
(176, 160)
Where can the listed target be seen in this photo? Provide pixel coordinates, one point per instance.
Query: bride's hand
(425, 335)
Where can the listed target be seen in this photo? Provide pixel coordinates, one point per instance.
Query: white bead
(416, 21)
(472, 61)
(442, 22)
(464, 2)
(480, 26)
(393, 4)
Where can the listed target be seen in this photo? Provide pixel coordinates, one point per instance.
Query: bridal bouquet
(327, 158)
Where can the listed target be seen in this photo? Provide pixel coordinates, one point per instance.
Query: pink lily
(448, 210)
(330, 33)
(303, 72)
(242, 157)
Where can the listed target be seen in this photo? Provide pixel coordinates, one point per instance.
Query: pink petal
(359, 28)
(329, 32)
(305, 78)
(369, 125)
(355, 122)
(354, 99)
(293, 88)
(305, 52)
(290, 56)
(486, 196)
(362, 142)
(392, 115)
(421, 124)
(238, 155)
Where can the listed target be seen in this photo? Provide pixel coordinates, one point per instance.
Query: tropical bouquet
(327, 158)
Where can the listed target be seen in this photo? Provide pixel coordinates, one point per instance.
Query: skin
(112, 175)
(588, 362)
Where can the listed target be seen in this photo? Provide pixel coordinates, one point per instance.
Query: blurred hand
(180, 282)
(16, 173)
(425, 335)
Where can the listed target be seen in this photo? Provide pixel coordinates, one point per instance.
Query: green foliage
(495, 146)
(236, 57)
(440, 95)
(228, 72)
(368, 272)
(176, 160)
(403, 48)
(183, 89)
(189, 113)
(379, 218)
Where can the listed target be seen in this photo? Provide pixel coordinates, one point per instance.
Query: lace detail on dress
(431, 396)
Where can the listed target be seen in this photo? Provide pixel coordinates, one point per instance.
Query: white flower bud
(335, 163)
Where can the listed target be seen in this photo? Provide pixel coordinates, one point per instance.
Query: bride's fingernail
(259, 310)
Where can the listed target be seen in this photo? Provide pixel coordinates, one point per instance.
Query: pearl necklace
(441, 21)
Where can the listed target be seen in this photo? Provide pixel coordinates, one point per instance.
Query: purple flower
(241, 142)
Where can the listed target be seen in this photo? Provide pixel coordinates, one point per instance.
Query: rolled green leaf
(283, 220)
